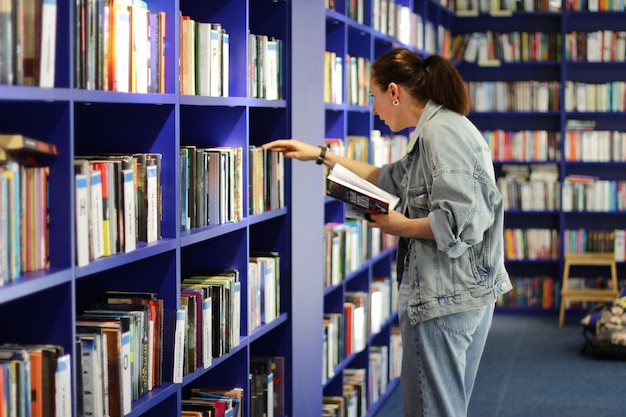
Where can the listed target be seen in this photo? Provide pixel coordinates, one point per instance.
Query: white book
(225, 64)
(63, 387)
(153, 207)
(140, 45)
(216, 71)
(207, 332)
(95, 202)
(48, 43)
(92, 389)
(236, 324)
(271, 70)
(127, 388)
(130, 234)
(253, 297)
(122, 48)
(82, 220)
(179, 345)
(203, 54)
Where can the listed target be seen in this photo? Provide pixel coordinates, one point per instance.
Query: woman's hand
(293, 148)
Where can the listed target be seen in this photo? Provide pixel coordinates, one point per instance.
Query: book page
(342, 173)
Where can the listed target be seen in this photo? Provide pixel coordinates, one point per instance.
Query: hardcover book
(361, 196)
(18, 142)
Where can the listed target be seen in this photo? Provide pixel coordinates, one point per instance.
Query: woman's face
(382, 106)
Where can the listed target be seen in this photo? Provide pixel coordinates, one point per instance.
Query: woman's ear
(393, 89)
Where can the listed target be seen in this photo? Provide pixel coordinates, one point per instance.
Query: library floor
(533, 368)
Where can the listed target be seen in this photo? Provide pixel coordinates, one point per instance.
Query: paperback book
(361, 196)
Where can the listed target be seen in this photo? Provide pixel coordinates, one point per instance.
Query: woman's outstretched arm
(293, 148)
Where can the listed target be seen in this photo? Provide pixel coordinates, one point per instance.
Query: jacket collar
(430, 110)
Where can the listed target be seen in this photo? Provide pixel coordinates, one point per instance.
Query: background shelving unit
(561, 70)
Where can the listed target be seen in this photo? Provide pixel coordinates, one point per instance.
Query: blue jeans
(440, 359)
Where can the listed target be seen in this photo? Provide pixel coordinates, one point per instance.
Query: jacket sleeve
(463, 197)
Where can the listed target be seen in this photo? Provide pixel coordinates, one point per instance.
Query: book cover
(96, 210)
(82, 220)
(179, 346)
(19, 142)
(63, 387)
(130, 235)
(360, 195)
(48, 43)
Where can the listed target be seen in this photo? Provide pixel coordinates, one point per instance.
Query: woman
(450, 227)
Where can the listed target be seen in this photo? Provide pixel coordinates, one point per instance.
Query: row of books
(333, 78)
(267, 386)
(266, 180)
(208, 323)
(531, 292)
(523, 145)
(595, 5)
(348, 245)
(353, 401)
(357, 82)
(597, 46)
(389, 17)
(35, 380)
(495, 6)
(519, 96)
(265, 71)
(263, 289)
(213, 402)
(388, 148)
(531, 244)
(27, 42)
(204, 58)
(118, 203)
(24, 170)
(377, 373)
(364, 387)
(266, 396)
(586, 97)
(595, 146)
(211, 189)
(493, 47)
(587, 193)
(119, 46)
(585, 240)
(363, 314)
(119, 345)
(530, 188)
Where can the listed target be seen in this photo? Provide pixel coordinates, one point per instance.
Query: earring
(395, 102)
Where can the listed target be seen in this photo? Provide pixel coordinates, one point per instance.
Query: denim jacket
(447, 175)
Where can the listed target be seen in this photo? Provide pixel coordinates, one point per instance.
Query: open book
(360, 196)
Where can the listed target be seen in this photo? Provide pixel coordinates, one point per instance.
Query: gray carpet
(533, 368)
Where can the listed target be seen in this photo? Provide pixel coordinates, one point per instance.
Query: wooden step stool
(588, 294)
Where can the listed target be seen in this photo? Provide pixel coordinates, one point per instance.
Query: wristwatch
(320, 159)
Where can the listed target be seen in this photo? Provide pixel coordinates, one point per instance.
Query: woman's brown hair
(431, 78)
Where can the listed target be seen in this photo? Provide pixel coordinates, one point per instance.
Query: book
(361, 196)
(63, 387)
(48, 43)
(82, 220)
(179, 345)
(19, 142)
(130, 235)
